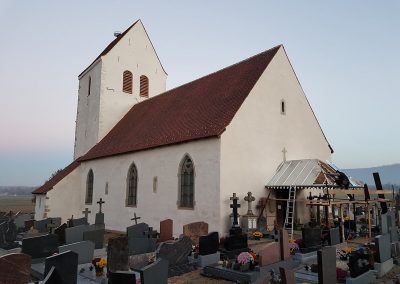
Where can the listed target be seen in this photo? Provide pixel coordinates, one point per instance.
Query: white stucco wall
(64, 199)
(107, 104)
(153, 207)
(251, 146)
(40, 204)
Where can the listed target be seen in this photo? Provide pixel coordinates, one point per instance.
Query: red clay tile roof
(199, 109)
(48, 185)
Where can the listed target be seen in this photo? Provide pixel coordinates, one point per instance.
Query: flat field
(17, 203)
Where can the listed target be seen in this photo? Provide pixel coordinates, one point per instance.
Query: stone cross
(51, 226)
(249, 198)
(100, 202)
(70, 221)
(235, 207)
(135, 218)
(284, 151)
(86, 212)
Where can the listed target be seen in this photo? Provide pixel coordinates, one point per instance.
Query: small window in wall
(89, 187)
(283, 107)
(155, 181)
(144, 86)
(131, 186)
(186, 183)
(106, 189)
(89, 85)
(127, 82)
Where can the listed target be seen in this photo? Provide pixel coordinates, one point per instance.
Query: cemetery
(325, 250)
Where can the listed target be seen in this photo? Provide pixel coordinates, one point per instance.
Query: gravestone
(41, 246)
(3, 227)
(141, 245)
(287, 276)
(383, 224)
(334, 236)
(84, 249)
(99, 218)
(176, 253)
(41, 225)
(21, 219)
(29, 224)
(60, 232)
(166, 230)
(15, 268)
(311, 239)
(121, 277)
(284, 244)
(75, 234)
(11, 232)
(65, 264)
(117, 254)
(358, 262)
(270, 254)
(96, 236)
(209, 244)
(195, 230)
(52, 277)
(79, 222)
(137, 231)
(156, 272)
(327, 265)
(383, 246)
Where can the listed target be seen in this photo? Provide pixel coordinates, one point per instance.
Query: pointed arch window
(127, 79)
(186, 183)
(89, 187)
(144, 86)
(283, 107)
(131, 186)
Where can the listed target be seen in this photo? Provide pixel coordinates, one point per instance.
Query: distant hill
(16, 190)
(389, 174)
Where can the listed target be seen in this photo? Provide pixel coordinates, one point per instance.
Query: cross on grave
(70, 221)
(235, 207)
(86, 212)
(135, 218)
(51, 226)
(284, 151)
(100, 202)
(249, 198)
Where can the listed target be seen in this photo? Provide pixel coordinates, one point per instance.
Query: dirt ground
(195, 277)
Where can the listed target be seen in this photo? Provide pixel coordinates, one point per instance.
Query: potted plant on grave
(257, 235)
(244, 259)
(99, 264)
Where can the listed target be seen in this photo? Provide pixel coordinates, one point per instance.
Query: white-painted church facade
(274, 122)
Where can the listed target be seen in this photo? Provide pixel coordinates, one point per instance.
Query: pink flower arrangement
(245, 257)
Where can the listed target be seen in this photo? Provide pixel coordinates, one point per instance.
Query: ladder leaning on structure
(291, 202)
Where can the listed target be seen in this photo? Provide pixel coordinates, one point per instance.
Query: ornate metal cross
(249, 198)
(235, 207)
(100, 202)
(135, 218)
(86, 212)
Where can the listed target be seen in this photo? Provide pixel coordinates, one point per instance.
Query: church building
(180, 153)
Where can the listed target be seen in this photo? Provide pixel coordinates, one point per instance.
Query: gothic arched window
(283, 107)
(127, 79)
(131, 186)
(186, 183)
(89, 187)
(144, 86)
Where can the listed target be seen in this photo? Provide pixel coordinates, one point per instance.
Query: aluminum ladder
(291, 202)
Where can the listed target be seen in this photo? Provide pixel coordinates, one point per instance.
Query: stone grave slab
(287, 276)
(121, 277)
(75, 234)
(141, 245)
(209, 259)
(117, 254)
(79, 222)
(365, 278)
(383, 245)
(15, 268)
(327, 265)
(141, 260)
(166, 230)
(284, 244)
(311, 239)
(236, 276)
(21, 219)
(66, 266)
(41, 246)
(60, 232)
(383, 223)
(84, 249)
(334, 236)
(383, 267)
(96, 236)
(195, 230)
(99, 219)
(209, 244)
(156, 272)
(137, 231)
(269, 254)
(41, 225)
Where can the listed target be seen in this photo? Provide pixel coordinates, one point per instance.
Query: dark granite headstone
(99, 220)
(15, 268)
(96, 236)
(156, 272)
(60, 232)
(195, 230)
(75, 234)
(41, 246)
(327, 265)
(66, 265)
(137, 231)
(52, 277)
(11, 231)
(176, 253)
(84, 249)
(141, 245)
(117, 254)
(209, 244)
(383, 246)
(166, 230)
(311, 239)
(121, 277)
(236, 242)
(79, 221)
(358, 262)
(3, 227)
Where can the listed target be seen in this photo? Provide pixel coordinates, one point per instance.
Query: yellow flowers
(257, 234)
(101, 263)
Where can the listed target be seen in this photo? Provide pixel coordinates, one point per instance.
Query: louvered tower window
(127, 79)
(144, 86)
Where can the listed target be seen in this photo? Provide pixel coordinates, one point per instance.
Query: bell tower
(125, 73)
